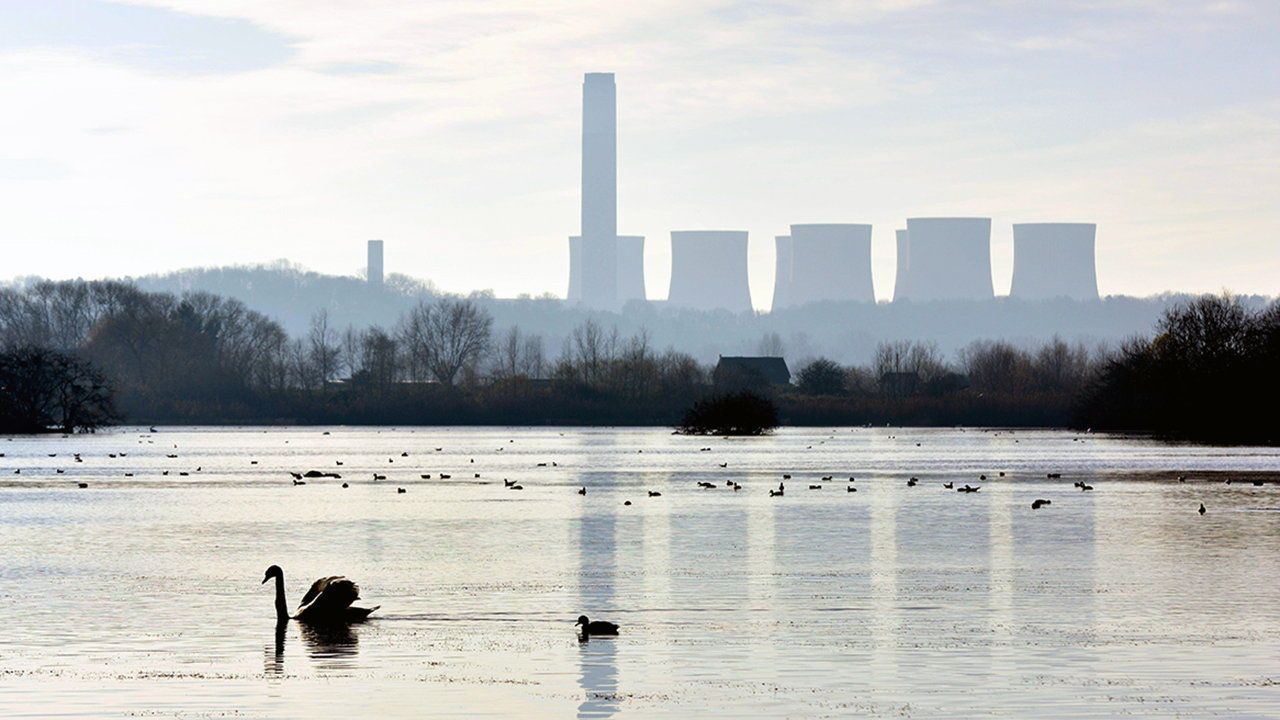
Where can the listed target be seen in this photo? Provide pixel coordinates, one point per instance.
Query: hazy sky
(146, 136)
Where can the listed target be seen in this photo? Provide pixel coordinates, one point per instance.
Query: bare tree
(322, 349)
(518, 355)
(771, 345)
(457, 336)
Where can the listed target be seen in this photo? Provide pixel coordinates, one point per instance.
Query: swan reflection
(332, 647)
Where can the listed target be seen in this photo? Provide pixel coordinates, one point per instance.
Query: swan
(328, 602)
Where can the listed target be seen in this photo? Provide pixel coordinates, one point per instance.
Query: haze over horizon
(161, 134)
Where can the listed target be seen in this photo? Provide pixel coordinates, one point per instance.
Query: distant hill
(845, 332)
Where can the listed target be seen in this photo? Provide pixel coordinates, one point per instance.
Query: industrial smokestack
(374, 265)
(949, 259)
(781, 273)
(900, 289)
(630, 268)
(1052, 260)
(831, 262)
(709, 270)
(599, 247)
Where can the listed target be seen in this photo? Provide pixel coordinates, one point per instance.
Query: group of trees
(904, 369)
(68, 348)
(1209, 373)
(43, 390)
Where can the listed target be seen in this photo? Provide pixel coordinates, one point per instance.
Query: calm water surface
(140, 597)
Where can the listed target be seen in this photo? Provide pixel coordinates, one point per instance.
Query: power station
(830, 262)
(947, 259)
(938, 258)
(709, 270)
(1054, 260)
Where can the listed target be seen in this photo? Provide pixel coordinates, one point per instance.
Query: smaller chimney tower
(374, 274)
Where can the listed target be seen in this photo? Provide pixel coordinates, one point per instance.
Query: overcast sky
(148, 136)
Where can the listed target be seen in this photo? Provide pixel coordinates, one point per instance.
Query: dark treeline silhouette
(43, 390)
(739, 413)
(202, 358)
(848, 332)
(1209, 373)
(911, 383)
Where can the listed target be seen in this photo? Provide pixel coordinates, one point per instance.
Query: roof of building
(773, 369)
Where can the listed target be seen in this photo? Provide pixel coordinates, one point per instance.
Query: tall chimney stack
(599, 244)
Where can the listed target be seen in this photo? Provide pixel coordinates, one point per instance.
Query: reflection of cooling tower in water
(831, 262)
(630, 268)
(781, 273)
(709, 270)
(1054, 260)
(948, 259)
(900, 289)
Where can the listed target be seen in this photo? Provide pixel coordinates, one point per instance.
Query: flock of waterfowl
(330, 599)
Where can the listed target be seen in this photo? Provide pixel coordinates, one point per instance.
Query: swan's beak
(265, 579)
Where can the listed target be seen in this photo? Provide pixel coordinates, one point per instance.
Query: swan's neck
(282, 606)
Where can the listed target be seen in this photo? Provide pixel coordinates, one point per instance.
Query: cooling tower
(630, 268)
(1052, 260)
(831, 262)
(598, 280)
(709, 270)
(782, 273)
(948, 259)
(575, 269)
(374, 265)
(900, 289)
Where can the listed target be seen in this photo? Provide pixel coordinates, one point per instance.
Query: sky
(140, 137)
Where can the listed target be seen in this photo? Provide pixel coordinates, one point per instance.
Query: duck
(582, 491)
(654, 493)
(850, 489)
(815, 487)
(400, 491)
(968, 489)
(1202, 510)
(596, 627)
(508, 483)
(949, 485)
(775, 493)
(1039, 503)
(328, 602)
(1085, 487)
(912, 482)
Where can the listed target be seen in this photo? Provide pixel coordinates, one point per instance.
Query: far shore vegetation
(79, 355)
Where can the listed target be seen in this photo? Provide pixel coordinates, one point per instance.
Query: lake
(140, 596)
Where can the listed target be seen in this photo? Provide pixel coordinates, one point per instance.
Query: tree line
(152, 357)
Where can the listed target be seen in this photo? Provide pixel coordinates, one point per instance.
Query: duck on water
(328, 602)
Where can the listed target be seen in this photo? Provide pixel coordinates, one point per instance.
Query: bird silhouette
(595, 627)
(1202, 510)
(328, 602)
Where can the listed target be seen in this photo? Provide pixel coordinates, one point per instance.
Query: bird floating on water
(582, 491)
(654, 493)
(949, 485)
(912, 482)
(1039, 503)
(968, 489)
(328, 602)
(595, 627)
(1202, 510)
